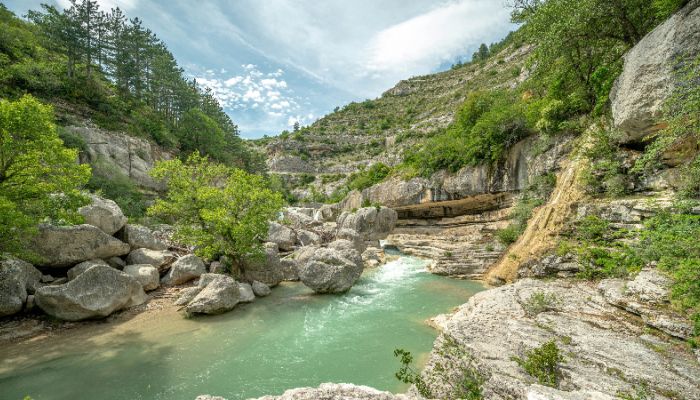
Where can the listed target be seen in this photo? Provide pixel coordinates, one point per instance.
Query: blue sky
(273, 62)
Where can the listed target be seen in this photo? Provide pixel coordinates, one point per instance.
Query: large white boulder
(141, 237)
(284, 236)
(64, 246)
(220, 294)
(104, 214)
(84, 266)
(96, 293)
(184, 270)
(331, 270)
(160, 259)
(17, 279)
(372, 223)
(266, 268)
(146, 274)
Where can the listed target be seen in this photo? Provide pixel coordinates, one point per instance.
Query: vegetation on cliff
(119, 74)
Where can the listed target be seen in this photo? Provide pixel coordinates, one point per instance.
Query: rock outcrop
(96, 293)
(120, 153)
(647, 79)
(331, 391)
(260, 289)
(18, 279)
(184, 270)
(330, 270)
(607, 350)
(64, 246)
(104, 214)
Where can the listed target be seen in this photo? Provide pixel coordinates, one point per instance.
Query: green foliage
(218, 209)
(108, 180)
(39, 177)
(606, 173)
(454, 376)
(579, 44)
(532, 197)
(543, 363)
(540, 302)
(485, 126)
(370, 176)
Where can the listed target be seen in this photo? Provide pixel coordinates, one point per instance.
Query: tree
(198, 132)
(296, 126)
(217, 209)
(39, 177)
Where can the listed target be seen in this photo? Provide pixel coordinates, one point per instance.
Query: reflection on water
(288, 339)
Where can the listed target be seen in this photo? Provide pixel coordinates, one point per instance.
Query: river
(291, 338)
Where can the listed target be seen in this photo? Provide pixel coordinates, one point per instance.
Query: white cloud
(424, 42)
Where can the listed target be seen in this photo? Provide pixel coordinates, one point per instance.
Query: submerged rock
(95, 293)
(17, 280)
(104, 214)
(63, 246)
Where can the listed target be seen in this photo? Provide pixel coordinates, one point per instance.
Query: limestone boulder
(96, 293)
(184, 270)
(288, 265)
(18, 279)
(260, 289)
(141, 237)
(104, 214)
(64, 246)
(308, 238)
(283, 236)
(221, 294)
(265, 269)
(160, 259)
(146, 274)
(372, 223)
(245, 291)
(331, 270)
(648, 77)
(84, 266)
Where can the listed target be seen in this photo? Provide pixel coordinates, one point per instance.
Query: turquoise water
(289, 339)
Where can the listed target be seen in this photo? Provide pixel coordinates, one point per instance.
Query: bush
(454, 376)
(540, 302)
(534, 196)
(369, 177)
(217, 209)
(108, 181)
(542, 363)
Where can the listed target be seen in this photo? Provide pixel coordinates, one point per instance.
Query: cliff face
(120, 153)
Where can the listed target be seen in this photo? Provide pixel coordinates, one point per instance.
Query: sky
(274, 62)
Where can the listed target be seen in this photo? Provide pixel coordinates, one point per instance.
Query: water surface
(289, 339)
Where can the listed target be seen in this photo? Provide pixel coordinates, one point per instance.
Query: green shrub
(369, 177)
(72, 140)
(533, 196)
(108, 181)
(543, 364)
(454, 375)
(540, 302)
